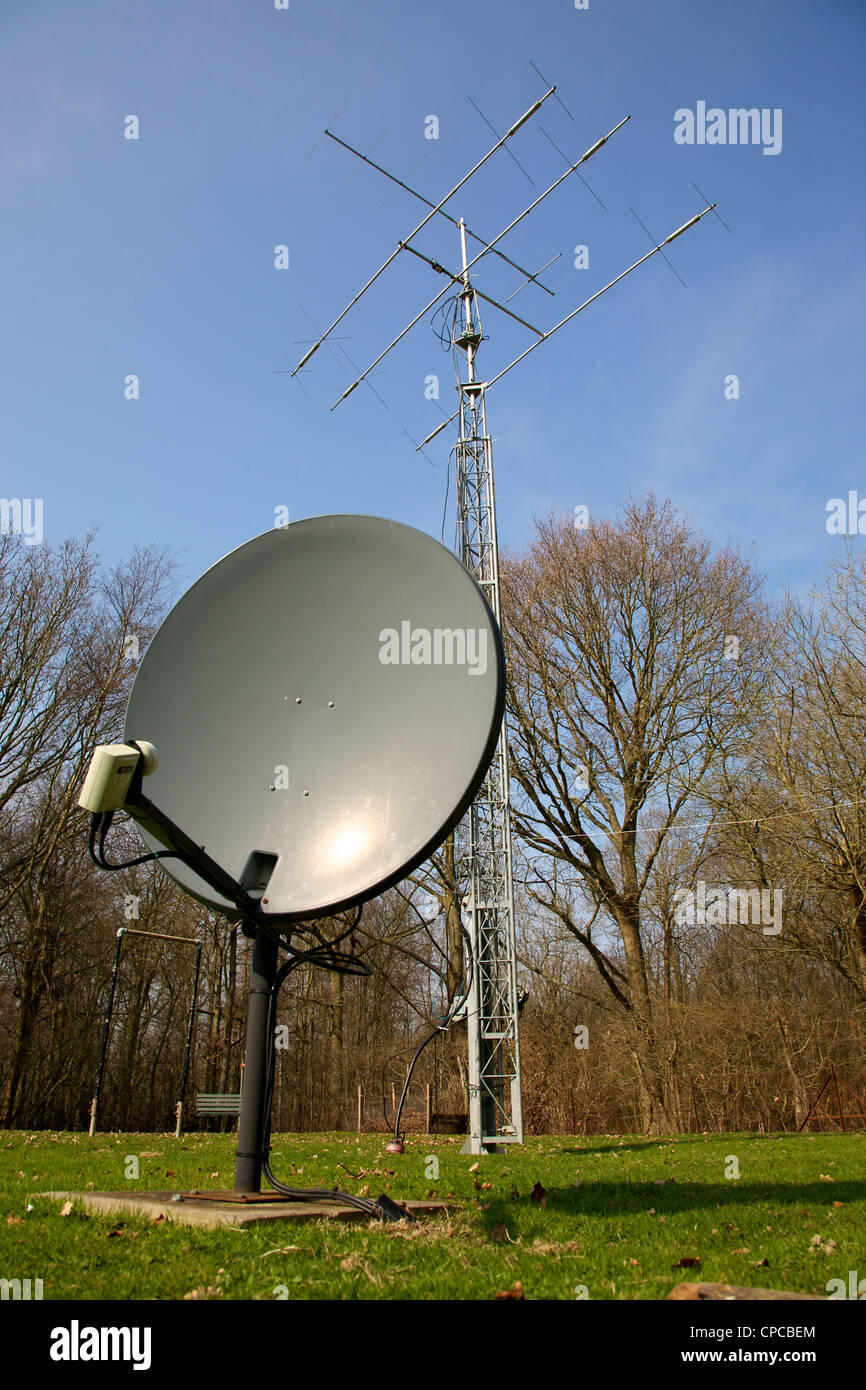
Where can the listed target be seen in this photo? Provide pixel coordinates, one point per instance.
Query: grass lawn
(617, 1217)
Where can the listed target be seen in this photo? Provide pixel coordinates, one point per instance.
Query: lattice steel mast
(495, 1100)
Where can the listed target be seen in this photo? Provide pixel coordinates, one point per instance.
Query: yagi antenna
(456, 279)
(491, 1011)
(453, 220)
(550, 332)
(536, 106)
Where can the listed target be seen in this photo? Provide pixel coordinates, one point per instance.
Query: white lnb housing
(150, 755)
(110, 773)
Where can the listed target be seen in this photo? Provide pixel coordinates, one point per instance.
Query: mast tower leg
(495, 1100)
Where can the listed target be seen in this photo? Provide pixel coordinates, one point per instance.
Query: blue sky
(155, 257)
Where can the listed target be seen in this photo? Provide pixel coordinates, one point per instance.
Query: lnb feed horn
(111, 773)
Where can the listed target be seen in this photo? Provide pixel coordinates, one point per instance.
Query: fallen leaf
(819, 1243)
(66, 1209)
(633, 1262)
(474, 1168)
(824, 1177)
(539, 1195)
(211, 1291)
(688, 1262)
(14, 1220)
(762, 1264)
(515, 1292)
(485, 1186)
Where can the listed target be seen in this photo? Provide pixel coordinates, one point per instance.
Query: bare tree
(626, 692)
(66, 669)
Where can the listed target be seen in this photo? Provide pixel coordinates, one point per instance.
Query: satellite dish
(325, 702)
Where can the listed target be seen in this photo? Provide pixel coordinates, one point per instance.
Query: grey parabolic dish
(282, 730)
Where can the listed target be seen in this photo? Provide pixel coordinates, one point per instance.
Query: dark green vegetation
(617, 1217)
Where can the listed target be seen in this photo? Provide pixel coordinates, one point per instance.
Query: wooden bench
(218, 1103)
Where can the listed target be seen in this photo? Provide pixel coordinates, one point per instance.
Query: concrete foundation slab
(217, 1209)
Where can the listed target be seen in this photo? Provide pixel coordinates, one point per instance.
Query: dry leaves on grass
(818, 1242)
(354, 1262)
(204, 1291)
(515, 1292)
(688, 1262)
(562, 1247)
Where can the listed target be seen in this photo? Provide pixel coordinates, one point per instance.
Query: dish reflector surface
(325, 702)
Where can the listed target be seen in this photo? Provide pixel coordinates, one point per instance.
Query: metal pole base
(251, 1126)
(475, 1146)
